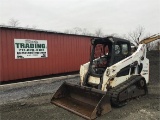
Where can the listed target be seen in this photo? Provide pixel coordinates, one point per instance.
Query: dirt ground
(38, 107)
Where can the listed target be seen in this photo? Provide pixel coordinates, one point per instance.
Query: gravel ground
(37, 106)
(14, 94)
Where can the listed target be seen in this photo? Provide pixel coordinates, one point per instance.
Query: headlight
(107, 72)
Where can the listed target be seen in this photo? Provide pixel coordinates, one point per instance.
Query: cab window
(117, 49)
(124, 49)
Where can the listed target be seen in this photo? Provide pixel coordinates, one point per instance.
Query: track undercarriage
(132, 88)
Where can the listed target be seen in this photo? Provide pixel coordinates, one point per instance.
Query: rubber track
(114, 92)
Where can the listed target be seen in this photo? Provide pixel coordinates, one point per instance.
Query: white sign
(27, 48)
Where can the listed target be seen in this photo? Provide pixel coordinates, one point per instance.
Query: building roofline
(41, 30)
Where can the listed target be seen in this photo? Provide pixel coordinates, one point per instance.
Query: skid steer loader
(116, 73)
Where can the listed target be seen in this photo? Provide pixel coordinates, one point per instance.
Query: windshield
(99, 58)
(100, 50)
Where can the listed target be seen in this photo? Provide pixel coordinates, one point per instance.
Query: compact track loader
(116, 73)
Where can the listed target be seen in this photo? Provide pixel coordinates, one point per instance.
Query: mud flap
(87, 102)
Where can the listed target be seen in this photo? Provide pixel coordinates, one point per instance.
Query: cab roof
(109, 39)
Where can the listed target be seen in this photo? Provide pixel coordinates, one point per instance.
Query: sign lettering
(26, 48)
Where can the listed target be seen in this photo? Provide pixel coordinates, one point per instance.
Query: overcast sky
(112, 16)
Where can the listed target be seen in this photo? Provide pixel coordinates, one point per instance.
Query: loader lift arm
(150, 39)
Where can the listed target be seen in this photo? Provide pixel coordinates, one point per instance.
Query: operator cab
(106, 52)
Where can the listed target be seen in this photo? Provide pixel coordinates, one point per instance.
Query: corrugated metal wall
(65, 54)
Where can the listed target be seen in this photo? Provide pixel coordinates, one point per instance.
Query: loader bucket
(83, 101)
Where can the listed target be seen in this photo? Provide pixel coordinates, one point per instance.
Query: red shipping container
(66, 52)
